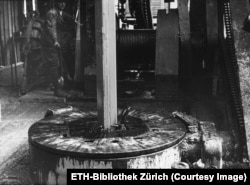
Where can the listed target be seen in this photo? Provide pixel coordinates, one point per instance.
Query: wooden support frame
(185, 42)
(78, 62)
(106, 62)
(167, 55)
(212, 33)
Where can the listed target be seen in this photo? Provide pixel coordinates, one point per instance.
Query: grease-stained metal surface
(78, 133)
(57, 143)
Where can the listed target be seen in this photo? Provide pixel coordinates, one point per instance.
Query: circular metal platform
(75, 140)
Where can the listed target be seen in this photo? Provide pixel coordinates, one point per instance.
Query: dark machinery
(139, 47)
(137, 13)
(137, 50)
(231, 70)
(136, 46)
(141, 10)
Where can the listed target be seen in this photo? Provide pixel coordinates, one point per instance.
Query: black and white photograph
(119, 86)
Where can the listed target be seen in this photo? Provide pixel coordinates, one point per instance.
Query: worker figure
(56, 39)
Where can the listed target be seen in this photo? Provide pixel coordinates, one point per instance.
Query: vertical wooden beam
(12, 24)
(167, 44)
(19, 21)
(78, 50)
(10, 4)
(2, 56)
(185, 44)
(5, 31)
(106, 62)
(13, 17)
(88, 47)
(167, 55)
(184, 20)
(212, 32)
(212, 20)
(242, 46)
(90, 33)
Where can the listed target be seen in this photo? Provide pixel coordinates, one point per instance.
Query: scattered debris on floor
(205, 148)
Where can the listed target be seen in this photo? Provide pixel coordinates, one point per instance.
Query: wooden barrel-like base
(75, 140)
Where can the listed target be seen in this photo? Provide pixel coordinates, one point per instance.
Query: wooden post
(167, 54)
(78, 49)
(212, 32)
(106, 62)
(88, 44)
(185, 44)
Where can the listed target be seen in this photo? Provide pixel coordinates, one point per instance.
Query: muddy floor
(16, 118)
